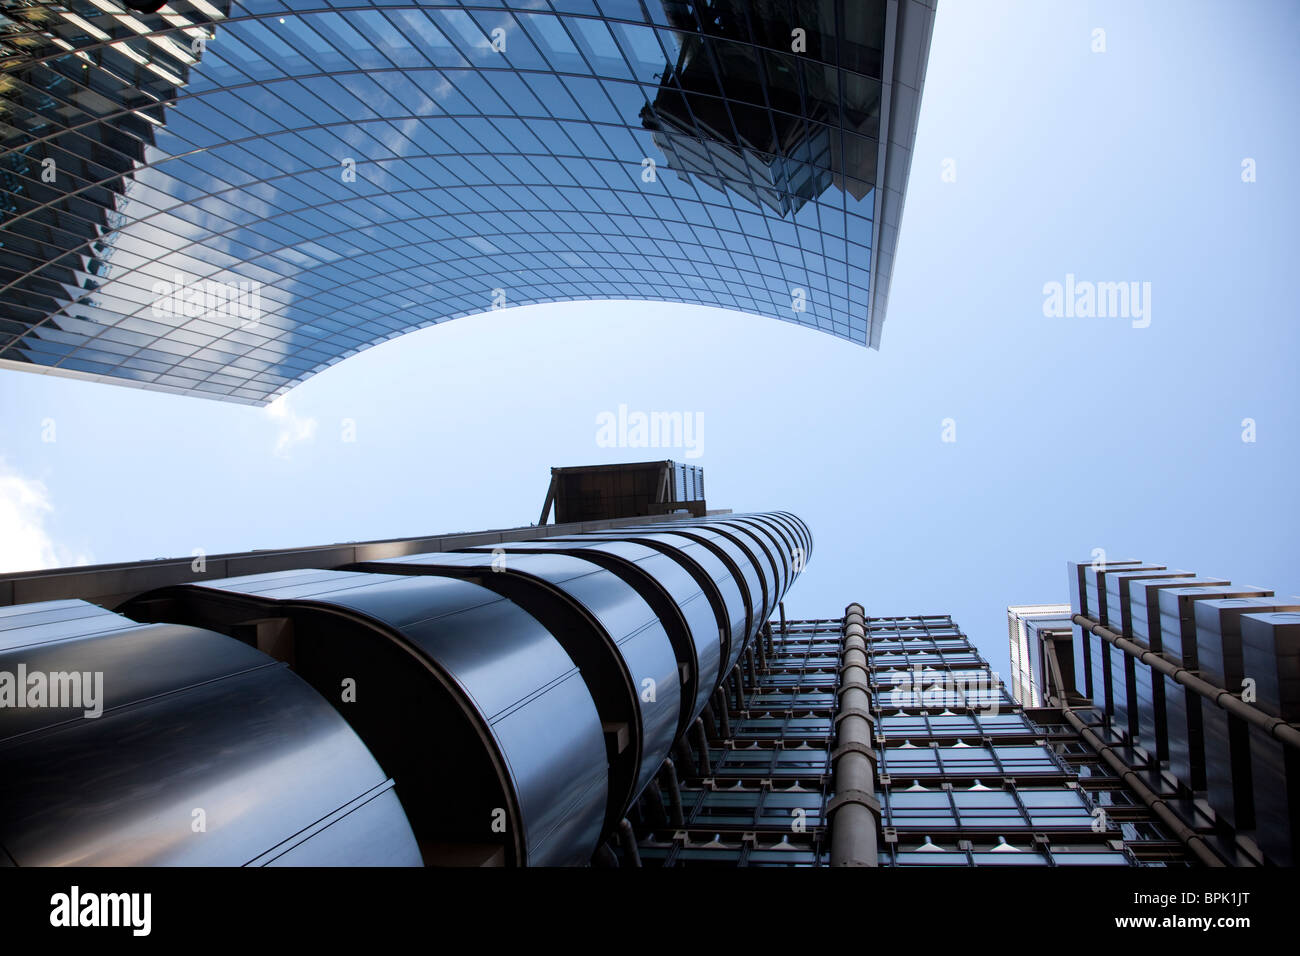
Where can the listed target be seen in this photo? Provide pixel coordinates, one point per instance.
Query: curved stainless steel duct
(527, 692)
(765, 552)
(618, 642)
(675, 597)
(714, 577)
(804, 531)
(756, 549)
(205, 752)
(743, 571)
(450, 682)
(791, 544)
(771, 546)
(762, 564)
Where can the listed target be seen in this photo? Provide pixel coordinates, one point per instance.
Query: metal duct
(521, 697)
(476, 710)
(714, 578)
(674, 596)
(205, 752)
(612, 634)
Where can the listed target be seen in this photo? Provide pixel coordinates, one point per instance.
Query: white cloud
(294, 428)
(25, 544)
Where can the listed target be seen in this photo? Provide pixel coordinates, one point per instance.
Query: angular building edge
(910, 25)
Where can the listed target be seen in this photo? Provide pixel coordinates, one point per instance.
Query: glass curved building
(221, 199)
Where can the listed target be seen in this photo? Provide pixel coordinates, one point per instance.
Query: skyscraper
(624, 691)
(221, 201)
(506, 698)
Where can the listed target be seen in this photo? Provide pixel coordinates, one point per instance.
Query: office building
(622, 691)
(221, 201)
(500, 698)
(1186, 686)
(951, 771)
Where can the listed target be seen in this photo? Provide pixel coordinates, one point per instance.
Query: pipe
(761, 648)
(1273, 726)
(655, 809)
(1153, 801)
(627, 841)
(682, 750)
(739, 687)
(674, 793)
(724, 714)
(750, 669)
(702, 747)
(710, 722)
(605, 858)
(854, 814)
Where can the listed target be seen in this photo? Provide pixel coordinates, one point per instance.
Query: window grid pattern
(248, 193)
(976, 782)
(972, 785)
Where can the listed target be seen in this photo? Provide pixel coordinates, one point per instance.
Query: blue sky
(1071, 433)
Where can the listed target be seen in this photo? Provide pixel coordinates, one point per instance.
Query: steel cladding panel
(1144, 615)
(750, 584)
(760, 548)
(1271, 656)
(1085, 600)
(1183, 706)
(1227, 738)
(537, 705)
(705, 650)
(192, 719)
(1110, 671)
(523, 686)
(649, 657)
(683, 549)
(763, 571)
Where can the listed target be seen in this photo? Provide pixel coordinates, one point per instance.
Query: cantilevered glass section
(223, 198)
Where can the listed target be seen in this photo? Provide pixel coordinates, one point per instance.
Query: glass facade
(964, 776)
(222, 199)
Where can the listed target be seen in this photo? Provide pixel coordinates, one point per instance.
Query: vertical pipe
(724, 714)
(738, 686)
(682, 751)
(604, 858)
(656, 812)
(710, 722)
(854, 812)
(702, 747)
(669, 772)
(627, 841)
